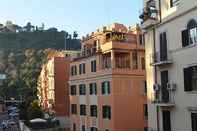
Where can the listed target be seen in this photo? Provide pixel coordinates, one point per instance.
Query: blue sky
(83, 16)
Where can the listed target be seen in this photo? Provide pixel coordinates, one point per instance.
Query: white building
(170, 35)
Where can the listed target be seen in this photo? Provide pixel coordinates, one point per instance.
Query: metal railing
(158, 57)
(159, 97)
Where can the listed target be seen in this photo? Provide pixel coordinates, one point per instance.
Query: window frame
(105, 91)
(83, 110)
(93, 66)
(106, 111)
(189, 77)
(73, 109)
(93, 88)
(82, 89)
(71, 90)
(93, 109)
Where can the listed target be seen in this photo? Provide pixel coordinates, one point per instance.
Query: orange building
(107, 82)
(53, 88)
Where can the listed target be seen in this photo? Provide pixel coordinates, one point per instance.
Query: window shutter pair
(185, 38)
(80, 68)
(187, 79)
(91, 90)
(163, 46)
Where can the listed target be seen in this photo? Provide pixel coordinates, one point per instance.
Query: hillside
(22, 53)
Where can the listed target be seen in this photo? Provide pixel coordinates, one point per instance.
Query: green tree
(35, 111)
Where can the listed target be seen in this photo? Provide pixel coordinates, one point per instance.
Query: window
(163, 56)
(143, 63)
(174, 3)
(73, 70)
(74, 127)
(189, 36)
(82, 68)
(166, 120)
(93, 66)
(145, 111)
(194, 121)
(83, 128)
(106, 112)
(106, 129)
(82, 89)
(82, 110)
(73, 90)
(141, 39)
(93, 129)
(93, 110)
(144, 87)
(106, 88)
(93, 89)
(190, 78)
(135, 60)
(73, 108)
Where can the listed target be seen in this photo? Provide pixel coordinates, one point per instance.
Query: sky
(83, 16)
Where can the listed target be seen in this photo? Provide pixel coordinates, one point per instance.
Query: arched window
(191, 24)
(192, 27)
(189, 36)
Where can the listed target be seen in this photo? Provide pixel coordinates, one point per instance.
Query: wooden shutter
(80, 68)
(108, 85)
(187, 79)
(185, 38)
(84, 68)
(103, 88)
(109, 112)
(91, 89)
(163, 47)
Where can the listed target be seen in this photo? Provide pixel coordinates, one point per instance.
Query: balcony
(149, 15)
(164, 96)
(161, 59)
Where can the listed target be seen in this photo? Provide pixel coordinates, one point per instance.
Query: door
(166, 120)
(164, 90)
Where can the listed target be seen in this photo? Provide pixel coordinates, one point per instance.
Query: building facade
(170, 34)
(53, 93)
(107, 82)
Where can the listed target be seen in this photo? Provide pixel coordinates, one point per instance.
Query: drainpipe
(155, 76)
(155, 68)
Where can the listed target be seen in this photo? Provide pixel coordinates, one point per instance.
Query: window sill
(191, 92)
(190, 46)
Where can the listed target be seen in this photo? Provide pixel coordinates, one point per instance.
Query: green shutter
(108, 87)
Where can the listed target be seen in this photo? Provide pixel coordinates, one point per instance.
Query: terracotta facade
(113, 60)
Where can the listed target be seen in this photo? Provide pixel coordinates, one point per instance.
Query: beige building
(170, 34)
(107, 82)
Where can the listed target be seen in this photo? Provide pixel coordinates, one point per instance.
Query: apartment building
(53, 93)
(170, 34)
(107, 82)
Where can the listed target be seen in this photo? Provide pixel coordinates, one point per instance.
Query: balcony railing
(164, 96)
(159, 59)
